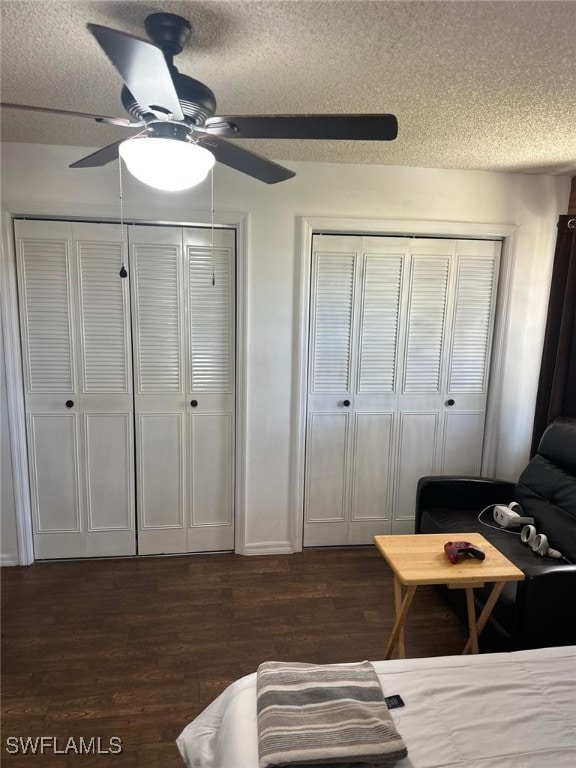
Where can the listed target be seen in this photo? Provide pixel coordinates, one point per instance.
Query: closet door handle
(346, 403)
(193, 403)
(449, 402)
(69, 403)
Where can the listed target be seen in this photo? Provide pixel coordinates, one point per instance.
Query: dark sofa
(540, 611)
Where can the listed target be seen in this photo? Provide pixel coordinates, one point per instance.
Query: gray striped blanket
(313, 715)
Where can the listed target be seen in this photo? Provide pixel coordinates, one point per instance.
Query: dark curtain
(557, 385)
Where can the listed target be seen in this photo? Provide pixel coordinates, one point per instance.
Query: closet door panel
(473, 318)
(160, 401)
(372, 476)
(378, 350)
(476, 270)
(45, 273)
(74, 319)
(103, 305)
(418, 437)
(183, 295)
(462, 443)
(57, 498)
(55, 485)
(209, 269)
(426, 323)
(109, 481)
(211, 316)
(330, 386)
(326, 491)
(161, 486)
(332, 311)
(210, 525)
(422, 398)
(106, 390)
(379, 321)
(158, 306)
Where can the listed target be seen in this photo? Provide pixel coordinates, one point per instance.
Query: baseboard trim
(9, 560)
(269, 548)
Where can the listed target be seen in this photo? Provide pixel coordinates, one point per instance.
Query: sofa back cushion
(546, 489)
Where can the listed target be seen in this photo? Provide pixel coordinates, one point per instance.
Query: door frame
(240, 221)
(307, 226)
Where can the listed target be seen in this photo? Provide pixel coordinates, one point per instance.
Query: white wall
(8, 540)
(36, 179)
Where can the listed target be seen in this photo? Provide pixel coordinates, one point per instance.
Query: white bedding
(502, 710)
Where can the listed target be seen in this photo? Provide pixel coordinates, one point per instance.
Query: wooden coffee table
(419, 559)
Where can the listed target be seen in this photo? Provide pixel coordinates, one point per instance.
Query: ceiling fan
(179, 134)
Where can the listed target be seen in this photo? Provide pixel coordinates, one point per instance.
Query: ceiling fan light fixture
(166, 163)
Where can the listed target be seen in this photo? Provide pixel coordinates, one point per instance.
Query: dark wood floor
(136, 648)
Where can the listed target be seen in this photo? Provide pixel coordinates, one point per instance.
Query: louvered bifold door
(331, 372)
(469, 344)
(447, 342)
(184, 379)
(209, 261)
(107, 411)
(374, 415)
(159, 381)
(399, 357)
(74, 322)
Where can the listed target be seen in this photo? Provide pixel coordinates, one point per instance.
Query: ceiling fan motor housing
(171, 33)
(196, 99)
(168, 31)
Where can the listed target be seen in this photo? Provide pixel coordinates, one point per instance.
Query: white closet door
(73, 311)
(448, 340)
(184, 366)
(421, 401)
(473, 309)
(160, 404)
(356, 309)
(400, 338)
(210, 294)
(373, 457)
(107, 426)
(330, 387)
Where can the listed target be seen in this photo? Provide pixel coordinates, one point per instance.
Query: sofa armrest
(456, 492)
(544, 612)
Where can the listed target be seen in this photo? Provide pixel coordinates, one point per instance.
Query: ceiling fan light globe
(168, 164)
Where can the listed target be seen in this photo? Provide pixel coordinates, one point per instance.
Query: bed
(501, 710)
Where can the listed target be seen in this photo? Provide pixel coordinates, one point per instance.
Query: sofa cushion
(442, 520)
(464, 521)
(547, 492)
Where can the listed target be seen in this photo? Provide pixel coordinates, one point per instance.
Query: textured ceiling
(475, 85)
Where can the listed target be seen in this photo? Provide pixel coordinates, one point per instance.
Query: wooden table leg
(400, 619)
(398, 606)
(486, 611)
(473, 641)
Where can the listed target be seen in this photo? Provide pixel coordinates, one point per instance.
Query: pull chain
(123, 272)
(212, 220)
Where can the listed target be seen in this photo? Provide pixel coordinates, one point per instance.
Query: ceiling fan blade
(99, 118)
(143, 69)
(245, 161)
(340, 127)
(100, 157)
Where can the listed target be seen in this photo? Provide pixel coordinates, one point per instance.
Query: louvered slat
(472, 323)
(332, 332)
(105, 363)
(379, 323)
(158, 308)
(429, 281)
(210, 319)
(45, 271)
